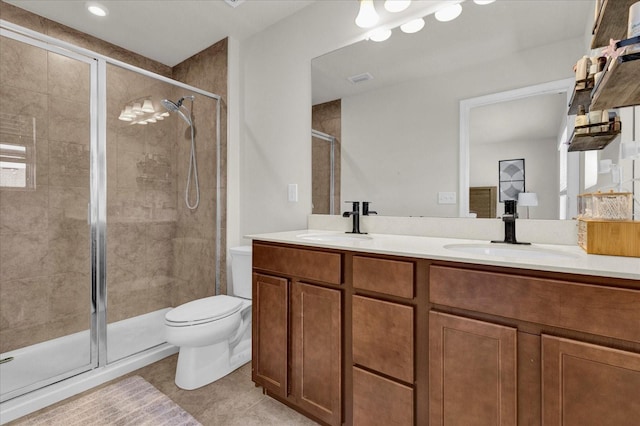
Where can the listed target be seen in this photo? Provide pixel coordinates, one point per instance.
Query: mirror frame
(558, 86)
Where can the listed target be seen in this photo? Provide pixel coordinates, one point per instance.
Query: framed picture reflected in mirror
(510, 178)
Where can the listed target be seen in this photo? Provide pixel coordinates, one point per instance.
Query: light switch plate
(447, 198)
(293, 192)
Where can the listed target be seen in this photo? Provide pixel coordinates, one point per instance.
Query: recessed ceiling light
(448, 13)
(483, 2)
(97, 9)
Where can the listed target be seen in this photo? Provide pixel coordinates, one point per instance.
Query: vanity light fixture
(141, 111)
(97, 9)
(395, 6)
(412, 26)
(448, 13)
(367, 17)
(380, 35)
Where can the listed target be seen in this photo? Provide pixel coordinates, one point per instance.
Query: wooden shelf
(580, 97)
(611, 22)
(618, 86)
(593, 140)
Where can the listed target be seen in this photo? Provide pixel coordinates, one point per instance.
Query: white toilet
(214, 333)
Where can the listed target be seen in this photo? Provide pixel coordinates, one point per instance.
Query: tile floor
(232, 400)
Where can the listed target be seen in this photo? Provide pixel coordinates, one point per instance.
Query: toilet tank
(241, 271)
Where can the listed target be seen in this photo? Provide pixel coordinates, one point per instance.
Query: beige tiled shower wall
(159, 253)
(44, 236)
(206, 70)
(326, 118)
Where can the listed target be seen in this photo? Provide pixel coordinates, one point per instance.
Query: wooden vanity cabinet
(364, 339)
(517, 365)
(297, 331)
(585, 384)
(383, 341)
(472, 372)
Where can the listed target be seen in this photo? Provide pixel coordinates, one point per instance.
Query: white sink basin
(337, 237)
(508, 250)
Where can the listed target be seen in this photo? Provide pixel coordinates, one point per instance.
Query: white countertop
(571, 259)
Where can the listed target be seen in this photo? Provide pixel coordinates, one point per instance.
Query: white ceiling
(168, 31)
(480, 36)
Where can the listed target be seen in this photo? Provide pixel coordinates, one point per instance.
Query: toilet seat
(203, 311)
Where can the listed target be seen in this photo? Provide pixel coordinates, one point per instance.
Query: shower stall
(96, 239)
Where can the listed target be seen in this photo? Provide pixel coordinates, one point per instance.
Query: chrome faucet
(509, 218)
(355, 215)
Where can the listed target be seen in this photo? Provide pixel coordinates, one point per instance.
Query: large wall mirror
(396, 105)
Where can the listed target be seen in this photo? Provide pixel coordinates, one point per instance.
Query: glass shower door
(45, 181)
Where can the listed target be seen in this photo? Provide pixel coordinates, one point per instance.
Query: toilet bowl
(213, 333)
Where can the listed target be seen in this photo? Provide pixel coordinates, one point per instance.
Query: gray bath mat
(132, 401)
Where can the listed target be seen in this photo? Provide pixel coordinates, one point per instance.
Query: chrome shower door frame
(97, 209)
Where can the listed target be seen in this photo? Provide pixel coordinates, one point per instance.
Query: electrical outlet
(293, 192)
(447, 198)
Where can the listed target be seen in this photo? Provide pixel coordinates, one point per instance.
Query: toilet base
(199, 366)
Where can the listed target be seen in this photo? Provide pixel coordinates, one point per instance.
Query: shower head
(176, 107)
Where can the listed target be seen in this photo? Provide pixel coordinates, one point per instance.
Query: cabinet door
(270, 330)
(585, 385)
(316, 377)
(472, 372)
(380, 401)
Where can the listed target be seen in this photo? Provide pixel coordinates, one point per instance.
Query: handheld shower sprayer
(193, 167)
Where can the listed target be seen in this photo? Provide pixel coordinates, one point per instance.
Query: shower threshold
(133, 343)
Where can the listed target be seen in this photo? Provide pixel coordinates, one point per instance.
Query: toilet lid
(204, 310)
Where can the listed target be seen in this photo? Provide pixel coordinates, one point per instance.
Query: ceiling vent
(360, 78)
(234, 3)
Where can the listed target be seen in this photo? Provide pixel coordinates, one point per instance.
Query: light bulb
(128, 111)
(97, 9)
(147, 106)
(137, 109)
(395, 6)
(412, 26)
(380, 35)
(367, 17)
(448, 13)
(124, 116)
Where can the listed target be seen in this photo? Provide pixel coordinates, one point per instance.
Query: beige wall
(159, 253)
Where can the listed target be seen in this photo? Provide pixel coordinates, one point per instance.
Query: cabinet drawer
(380, 401)
(392, 277)
(309, 264)
(606, 311)
(383, 337)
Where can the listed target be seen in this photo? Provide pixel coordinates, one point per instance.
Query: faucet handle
(365, 209)
(355, 205)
